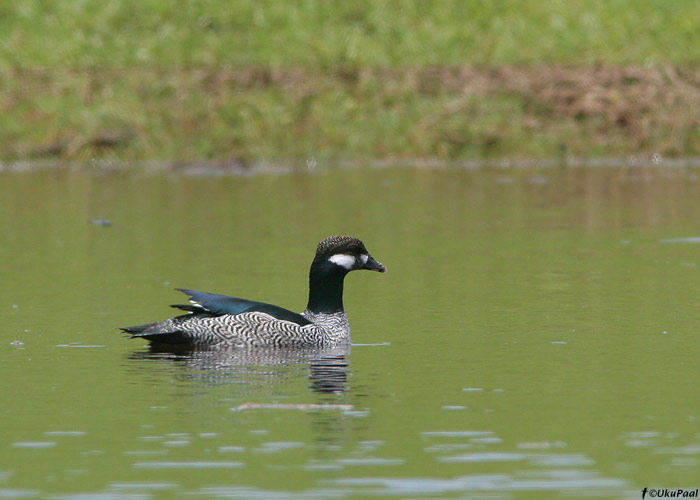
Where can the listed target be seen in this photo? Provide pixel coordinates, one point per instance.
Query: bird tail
(165, 332)
(136, 330)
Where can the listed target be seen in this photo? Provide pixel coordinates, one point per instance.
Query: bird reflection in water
(328, 367)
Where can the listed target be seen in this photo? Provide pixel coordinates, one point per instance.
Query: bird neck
(325, 287)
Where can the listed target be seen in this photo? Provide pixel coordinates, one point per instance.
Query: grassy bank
(273, 81)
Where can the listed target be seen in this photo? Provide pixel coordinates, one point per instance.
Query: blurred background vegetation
(251, 81)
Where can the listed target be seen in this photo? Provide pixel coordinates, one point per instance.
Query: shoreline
(447, 113)
(650, 162)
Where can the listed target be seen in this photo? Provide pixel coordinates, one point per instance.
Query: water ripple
(484, 457)
(35, 444)
(485, 482)
(18, 493)
(188, 465)
(457, 433)
(371, 461)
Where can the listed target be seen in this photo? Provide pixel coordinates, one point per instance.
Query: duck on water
(218, 320)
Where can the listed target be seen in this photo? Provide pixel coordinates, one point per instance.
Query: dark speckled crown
(340, 244)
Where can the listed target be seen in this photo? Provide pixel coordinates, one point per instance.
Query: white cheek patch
(364, 257)
(343, 260)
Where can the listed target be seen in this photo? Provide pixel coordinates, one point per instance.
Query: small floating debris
(473, 389)
(17, 343)
(291, 406)
(101, 222)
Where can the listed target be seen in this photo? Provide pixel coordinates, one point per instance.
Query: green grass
(198, 80)
(317, 34)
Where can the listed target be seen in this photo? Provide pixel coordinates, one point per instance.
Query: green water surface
(536, 336)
